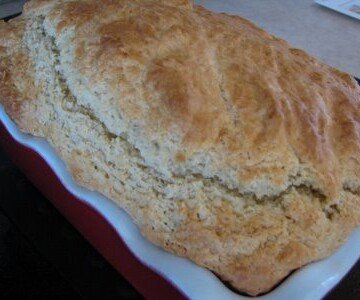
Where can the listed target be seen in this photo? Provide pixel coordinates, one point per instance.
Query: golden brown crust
(224, 143)
(16, 85)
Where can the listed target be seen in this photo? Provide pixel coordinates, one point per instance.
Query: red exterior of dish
(88, 222)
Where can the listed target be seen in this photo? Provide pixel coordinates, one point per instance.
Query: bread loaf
(225, 144)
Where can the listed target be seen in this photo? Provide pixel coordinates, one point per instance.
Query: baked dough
(225, 144)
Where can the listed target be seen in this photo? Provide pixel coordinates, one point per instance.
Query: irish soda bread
(225, 144)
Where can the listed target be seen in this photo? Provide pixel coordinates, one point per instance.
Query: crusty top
(225, 144)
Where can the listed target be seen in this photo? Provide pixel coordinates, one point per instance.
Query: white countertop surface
(330, 36)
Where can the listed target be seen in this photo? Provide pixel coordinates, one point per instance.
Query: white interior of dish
(310, 282)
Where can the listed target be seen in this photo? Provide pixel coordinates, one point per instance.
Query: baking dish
(153, 271)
